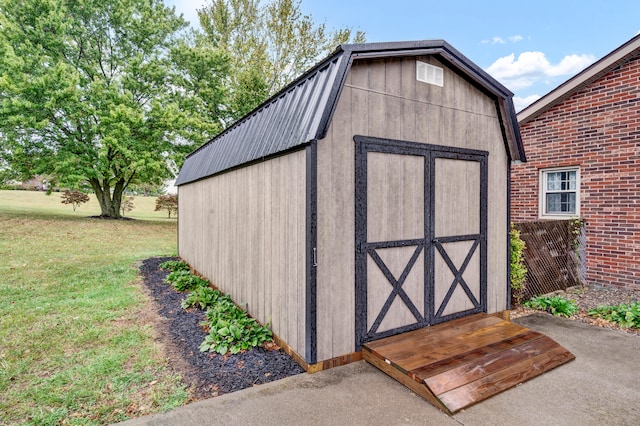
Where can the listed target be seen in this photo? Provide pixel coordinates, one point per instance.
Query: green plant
(576, 230)
(625, 315)
(183, 280)
(75, 347)
(75, 198)
(168, 202)
(231, 329)
(175, 265)
(556, 305)
(202, 297)
(518, 274)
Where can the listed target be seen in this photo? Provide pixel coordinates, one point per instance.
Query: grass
(75, 347)
(31, 202)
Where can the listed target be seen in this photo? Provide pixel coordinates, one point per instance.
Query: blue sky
(529, 46)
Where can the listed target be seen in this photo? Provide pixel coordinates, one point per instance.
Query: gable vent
(428, 73)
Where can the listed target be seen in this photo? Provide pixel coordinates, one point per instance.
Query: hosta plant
(231, 329)
(201, 297)
(625, 315)
(556, 305)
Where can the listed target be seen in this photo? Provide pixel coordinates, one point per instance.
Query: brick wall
(597, 129)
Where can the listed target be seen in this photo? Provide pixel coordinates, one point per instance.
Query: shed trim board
(298, 158)
(428, 245)
(311, 339)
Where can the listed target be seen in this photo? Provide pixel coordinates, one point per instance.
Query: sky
(531, 47)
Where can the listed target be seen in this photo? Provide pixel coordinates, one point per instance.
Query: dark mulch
(110, 218)
(206, 374)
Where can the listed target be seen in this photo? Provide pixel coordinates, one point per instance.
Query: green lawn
(39, 202)
(75, 345)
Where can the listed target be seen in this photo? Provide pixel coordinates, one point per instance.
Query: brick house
(583, 160)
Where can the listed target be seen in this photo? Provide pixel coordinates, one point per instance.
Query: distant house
(37, 183)
(583, 160)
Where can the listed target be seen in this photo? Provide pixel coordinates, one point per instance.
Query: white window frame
(542, 202)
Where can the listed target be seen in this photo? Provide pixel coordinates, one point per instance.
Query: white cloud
(531, 67)
(521, 103)
(500, 40)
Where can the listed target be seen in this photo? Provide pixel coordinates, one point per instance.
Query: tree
(126, 205)
(75, 198)
(88, 93)
(167, 202)
(268, 45)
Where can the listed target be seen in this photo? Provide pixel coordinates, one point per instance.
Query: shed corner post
(311, 319)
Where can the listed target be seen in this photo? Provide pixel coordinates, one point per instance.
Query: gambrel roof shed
(367, 198)
(302, 111)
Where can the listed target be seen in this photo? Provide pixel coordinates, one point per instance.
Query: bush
(175, 265)
(201, 297)
(556, 305)
(231, 329)
(518, 270)
(167, 202)
(75, 198)
(626, 316)
(126, 205)
(183, 280)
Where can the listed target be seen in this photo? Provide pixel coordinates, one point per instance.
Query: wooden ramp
(456, 364)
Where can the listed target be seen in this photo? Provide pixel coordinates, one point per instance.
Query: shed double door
(421, 240)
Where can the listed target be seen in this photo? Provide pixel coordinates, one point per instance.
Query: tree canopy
(113, 93)
(87, 92)
(268, 43)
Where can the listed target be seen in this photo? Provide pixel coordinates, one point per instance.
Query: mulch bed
(206, 374)
(590, 297)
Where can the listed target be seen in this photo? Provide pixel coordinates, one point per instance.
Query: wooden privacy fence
(554, 255)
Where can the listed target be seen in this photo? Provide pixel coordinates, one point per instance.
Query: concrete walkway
(602, 386)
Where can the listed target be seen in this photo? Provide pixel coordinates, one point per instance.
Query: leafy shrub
(556, 305)
(175, 265)
(126, 205)
(167, 202)
(75, 198)
(231, 329)
(201, 297)
(518, 270)
(627, 316)
(183, 280)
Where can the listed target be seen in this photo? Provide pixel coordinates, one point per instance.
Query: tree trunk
(109, 203)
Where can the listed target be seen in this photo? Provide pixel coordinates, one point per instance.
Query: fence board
(553, 255)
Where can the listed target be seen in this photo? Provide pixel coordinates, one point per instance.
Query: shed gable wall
(598, 130)
(245, 231)
(382, 98)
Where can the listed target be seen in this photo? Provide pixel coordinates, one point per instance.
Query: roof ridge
(603, 66)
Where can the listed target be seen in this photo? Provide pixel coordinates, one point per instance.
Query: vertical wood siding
(245, 231)
(382, 98)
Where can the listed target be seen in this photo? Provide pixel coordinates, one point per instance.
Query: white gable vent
(428, 73)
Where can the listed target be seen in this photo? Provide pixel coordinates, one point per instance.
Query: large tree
(89, 93)
(268, 43)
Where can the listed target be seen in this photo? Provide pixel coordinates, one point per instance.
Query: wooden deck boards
(459, 363)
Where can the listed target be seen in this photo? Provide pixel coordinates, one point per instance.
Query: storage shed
(367, 198)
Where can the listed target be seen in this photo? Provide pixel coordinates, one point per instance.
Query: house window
(560, 194)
